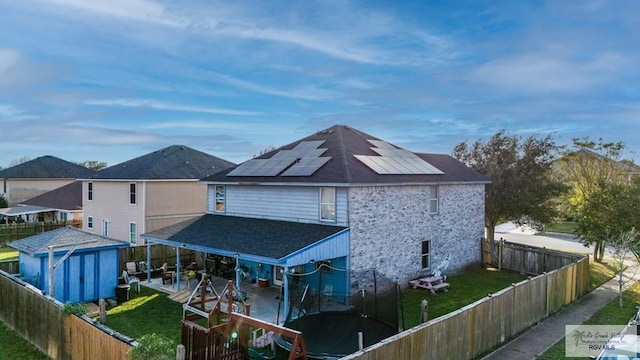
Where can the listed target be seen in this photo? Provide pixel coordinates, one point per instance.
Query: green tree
(588, 168)
(623, 244)
(3, 202)
(522, 188)
(93, 164)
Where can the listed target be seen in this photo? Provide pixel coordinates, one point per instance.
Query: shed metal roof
(38, 245)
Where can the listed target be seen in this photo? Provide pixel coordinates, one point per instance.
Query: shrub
(78, 309)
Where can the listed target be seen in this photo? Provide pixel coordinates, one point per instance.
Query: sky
(111, 80)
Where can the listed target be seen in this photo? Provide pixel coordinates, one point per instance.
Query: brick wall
(389, 223)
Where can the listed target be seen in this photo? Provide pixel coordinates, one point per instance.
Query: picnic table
(432, 283)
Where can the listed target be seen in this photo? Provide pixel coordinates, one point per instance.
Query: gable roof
(68, 197)
(259, 237)
(340, 154)
(173, 162)
(24, 210)
(67, 236)
(47, 167)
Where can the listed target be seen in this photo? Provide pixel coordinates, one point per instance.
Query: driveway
(554, 241)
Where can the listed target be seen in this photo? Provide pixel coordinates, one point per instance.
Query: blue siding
(289, 203)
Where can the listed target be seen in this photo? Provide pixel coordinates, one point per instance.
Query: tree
(93, 164)
(3, 202)
(588, 168)
(622, 245)
(19, 161)
(522, 188)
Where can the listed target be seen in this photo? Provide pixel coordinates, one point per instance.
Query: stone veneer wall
(389, 223)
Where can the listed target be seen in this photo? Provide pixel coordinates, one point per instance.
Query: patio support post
(148, 262)
(178, 267)
(285, 283)
(237, 271)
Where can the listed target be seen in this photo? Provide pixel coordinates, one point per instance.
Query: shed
(86, 265)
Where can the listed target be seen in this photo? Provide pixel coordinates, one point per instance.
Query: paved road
(553, 241)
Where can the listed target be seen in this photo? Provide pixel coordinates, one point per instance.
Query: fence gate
(487, 251)
(208, 344)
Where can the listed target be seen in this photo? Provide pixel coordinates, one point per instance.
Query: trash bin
(122, 293)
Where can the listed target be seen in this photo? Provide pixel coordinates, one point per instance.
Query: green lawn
(566, 227)
(465, 289)
(8, 254)
(15, 347)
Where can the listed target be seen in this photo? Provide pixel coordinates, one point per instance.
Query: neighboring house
(147, 193)
(88, 272)
(60, 205)
(37, 176)
(343, 198)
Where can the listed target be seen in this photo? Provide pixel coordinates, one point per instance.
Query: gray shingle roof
(173, 162)
(342, 143)
(68, 197)
(47, 167)
(259, 237)
(38, 244)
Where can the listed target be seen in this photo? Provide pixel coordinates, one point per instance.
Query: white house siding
(288, 203)
(111, 201)
(388, 225)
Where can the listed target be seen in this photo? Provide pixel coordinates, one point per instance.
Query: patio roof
(23, 210)
(249, 237)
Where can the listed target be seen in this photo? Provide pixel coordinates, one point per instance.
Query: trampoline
(331, 335)
(349, 303)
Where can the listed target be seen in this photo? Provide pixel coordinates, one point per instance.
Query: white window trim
(90, 191)
(427, 255)
(321, 204)
(135, 235)
(134, 193)
(222, 198)
(90, 222)
(434, 200)
(105, 227)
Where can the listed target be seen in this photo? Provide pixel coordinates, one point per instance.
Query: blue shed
(85, 265)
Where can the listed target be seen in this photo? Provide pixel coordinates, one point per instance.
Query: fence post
(103, 311)
(500, 247)
(180, 352)
(424, 311)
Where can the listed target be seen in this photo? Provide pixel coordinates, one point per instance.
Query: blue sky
(113, 80)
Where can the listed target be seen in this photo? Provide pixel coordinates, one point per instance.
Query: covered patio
(255, 254)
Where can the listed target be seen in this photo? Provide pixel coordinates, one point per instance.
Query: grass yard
(8, 254)
(465, 289)
(147, 312)
(565, 227)
(15, 347)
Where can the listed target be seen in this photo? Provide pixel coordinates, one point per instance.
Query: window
(105, 227)
(132, 193)
(133, 232)
(90, 191)
(220, 198)
(426, 254)
(433, 199)
(89, 222)
(328, 204)
(64, 217)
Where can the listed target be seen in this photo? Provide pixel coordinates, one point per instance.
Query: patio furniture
(131, 268)
(432, 283)
(131, 280)
(166, 274)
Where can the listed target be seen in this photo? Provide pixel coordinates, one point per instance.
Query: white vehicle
(621, 348)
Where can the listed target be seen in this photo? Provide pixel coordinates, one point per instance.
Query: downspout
(285, 279)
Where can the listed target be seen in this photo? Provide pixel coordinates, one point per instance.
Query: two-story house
(148, 192)
(38, 176)
(343, 199)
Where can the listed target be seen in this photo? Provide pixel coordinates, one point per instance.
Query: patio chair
(131, 268)
(131, 280)
(167, 274)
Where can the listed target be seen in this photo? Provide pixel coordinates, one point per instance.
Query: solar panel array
(303, 160)
(394, 161)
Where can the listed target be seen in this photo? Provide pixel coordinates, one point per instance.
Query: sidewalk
(542, 336)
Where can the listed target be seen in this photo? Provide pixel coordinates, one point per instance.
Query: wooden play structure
(226, 334)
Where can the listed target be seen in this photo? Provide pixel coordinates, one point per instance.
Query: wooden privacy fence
(480, 327)
(17, 231)
(524, 259)
(41, 320)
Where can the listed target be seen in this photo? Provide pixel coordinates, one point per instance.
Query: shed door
(80, 278)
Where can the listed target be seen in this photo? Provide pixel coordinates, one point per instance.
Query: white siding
(290, 203)
(111, 202)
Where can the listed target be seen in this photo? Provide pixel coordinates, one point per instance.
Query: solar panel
(306, 166)
(305, 158)
(381, 144)
(384, 165)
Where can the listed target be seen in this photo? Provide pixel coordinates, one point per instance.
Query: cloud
(18, 73)
(159, 105)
